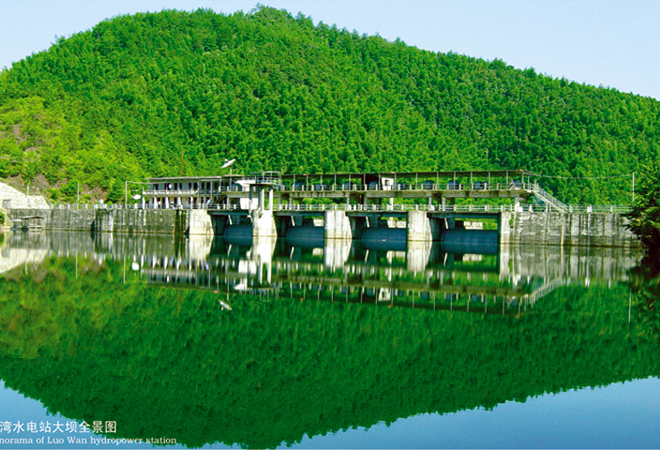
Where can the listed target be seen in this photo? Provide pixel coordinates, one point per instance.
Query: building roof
(356, 175)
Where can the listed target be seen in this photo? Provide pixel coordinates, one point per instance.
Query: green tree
(645, 215)
(69, 192)
(116, 193)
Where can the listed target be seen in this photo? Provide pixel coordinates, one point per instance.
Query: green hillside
(177, 92)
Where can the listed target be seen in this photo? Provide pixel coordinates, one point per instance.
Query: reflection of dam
(427, 275)
(466, 272)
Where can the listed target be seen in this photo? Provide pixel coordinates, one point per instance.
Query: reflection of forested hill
(155, 94)
(168, 362)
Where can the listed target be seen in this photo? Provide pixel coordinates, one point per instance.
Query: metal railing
(599, 209)
(175, 192)
(283, 207)
(596, 209)
(549, 198)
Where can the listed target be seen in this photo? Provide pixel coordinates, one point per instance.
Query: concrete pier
(263, 223)
(337, 225)
(422, 227)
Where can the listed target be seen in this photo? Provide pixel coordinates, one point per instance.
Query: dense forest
(93, 342)
(170, 93)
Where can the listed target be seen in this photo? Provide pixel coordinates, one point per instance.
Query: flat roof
(425, 174)
(442, 174)
(203, 178)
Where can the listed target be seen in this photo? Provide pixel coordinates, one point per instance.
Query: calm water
(274, 344)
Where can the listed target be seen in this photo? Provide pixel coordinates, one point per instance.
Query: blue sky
(599, 42)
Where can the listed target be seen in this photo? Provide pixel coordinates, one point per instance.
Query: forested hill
(176, 92)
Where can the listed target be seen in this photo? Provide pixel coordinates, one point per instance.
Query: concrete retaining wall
(515, 227)
(12, 198)
(606, 230)
(58, 219)
(129, 221)
(141, 221)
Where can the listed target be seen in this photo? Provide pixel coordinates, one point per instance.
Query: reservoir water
(113, 341)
